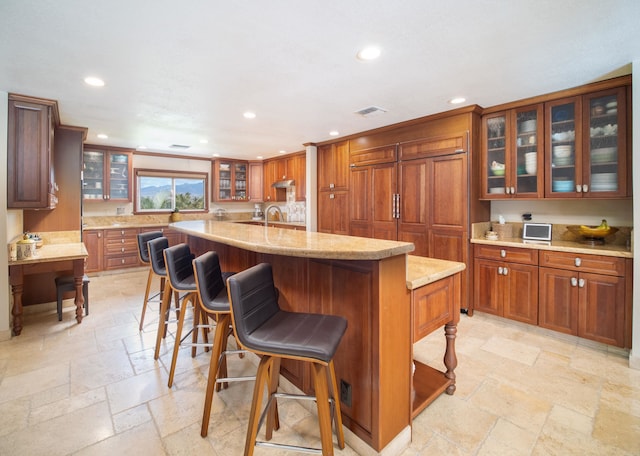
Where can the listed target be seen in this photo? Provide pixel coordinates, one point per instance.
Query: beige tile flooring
(94, 389)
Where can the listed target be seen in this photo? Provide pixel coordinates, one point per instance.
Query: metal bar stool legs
(143, 255)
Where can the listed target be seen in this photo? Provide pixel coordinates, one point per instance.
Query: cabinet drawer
(119, 249)
(431, 147)
(512, 254)
(597, 264)
(121, 261)
(129, 233)
(385, 154)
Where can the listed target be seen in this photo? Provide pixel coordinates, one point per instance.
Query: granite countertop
(613, 250)
(422, 271)
(55, 252)
(282, 241)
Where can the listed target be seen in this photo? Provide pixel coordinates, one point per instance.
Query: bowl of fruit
(593, 233)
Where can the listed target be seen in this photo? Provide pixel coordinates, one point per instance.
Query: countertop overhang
(281, 241)
(54, 252)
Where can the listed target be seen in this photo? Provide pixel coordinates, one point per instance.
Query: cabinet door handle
(574, 282)
(581, 283)
(503, 253)
(507, 190)
(499, 270)
(577, 262)
(578, 188)
(513, 190)
(331, 196)
(99, 235)
(331, 185)
(122, 249)
(505, 271)
(585, 188)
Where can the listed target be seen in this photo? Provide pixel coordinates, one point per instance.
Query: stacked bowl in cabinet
(604, 182)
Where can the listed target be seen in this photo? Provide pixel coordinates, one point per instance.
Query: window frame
(173, 175)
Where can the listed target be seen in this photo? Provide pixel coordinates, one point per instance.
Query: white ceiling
(178, 72)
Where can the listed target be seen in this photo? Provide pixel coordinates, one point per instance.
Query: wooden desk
(49, 258)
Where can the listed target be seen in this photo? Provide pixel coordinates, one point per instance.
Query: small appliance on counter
(536, 232)
(257, 212)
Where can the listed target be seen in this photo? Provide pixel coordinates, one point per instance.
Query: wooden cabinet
(333, 185)
(120, 248)
(30, 169)
(289, 167)
(513, 153)
(587, 146)
(106, 174)
(584, 295)
(333, 167)
(229, 180)
(94, 242)
(506, 282)
(297, 170)
(256, 175)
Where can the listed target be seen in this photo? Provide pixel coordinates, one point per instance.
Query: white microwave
(536, 231)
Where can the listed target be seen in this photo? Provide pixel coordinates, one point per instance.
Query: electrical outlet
(345, 393)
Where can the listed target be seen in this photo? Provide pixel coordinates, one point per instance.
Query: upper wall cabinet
(513, 154)
(230, 180)
(587, 147)
(106, 175)
(30, 173)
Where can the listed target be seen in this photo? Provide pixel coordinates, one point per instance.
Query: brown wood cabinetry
(333, 212)
(256, 176)
(506, 282)
(94, 242)
(106, 174)
(584, 295)
(31, 180)
(120, 248)
(513, 153)
(229, 180)
(333, 185)
(289, 167)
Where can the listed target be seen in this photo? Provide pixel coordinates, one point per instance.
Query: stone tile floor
(94, 389)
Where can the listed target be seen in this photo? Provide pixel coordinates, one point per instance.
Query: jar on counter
(25, 248)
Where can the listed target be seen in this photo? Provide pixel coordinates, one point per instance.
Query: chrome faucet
(277, 210)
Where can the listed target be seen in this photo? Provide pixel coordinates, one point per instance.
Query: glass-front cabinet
(106, 175)
(230, 179)
(512, 153)
(586, 146)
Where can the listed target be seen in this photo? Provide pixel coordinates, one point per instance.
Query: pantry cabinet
(583, 295)
(513, 154)
(31, 180)
(506, 282)
(106, 174)
(333, 186)
(256, 176)
(229, 180)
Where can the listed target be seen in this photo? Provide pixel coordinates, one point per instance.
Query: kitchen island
(365, 281)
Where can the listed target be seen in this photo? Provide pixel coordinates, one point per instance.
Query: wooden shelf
(428, 384)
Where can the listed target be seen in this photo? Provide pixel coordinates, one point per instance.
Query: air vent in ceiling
(371, 111)
(179, 146)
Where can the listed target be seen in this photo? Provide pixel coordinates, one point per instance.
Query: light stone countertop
(562, 246)
(282, 241)
(55, 252)
(422, 271)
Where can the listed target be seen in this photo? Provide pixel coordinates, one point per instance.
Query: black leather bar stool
(214, 303)
(263, 328)
(156, 248)
(68, 283)
(179, 262)
(143, 254)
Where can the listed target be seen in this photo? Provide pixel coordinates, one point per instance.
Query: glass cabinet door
(224, 181)
(605, 148)
(495, 146)
(563, 174)
(240, 178)
(529, 158)
(118, 176)
(93, 175)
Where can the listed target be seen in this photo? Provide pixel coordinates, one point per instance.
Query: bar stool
(263, 328)
(143, 254)
(156, 248)
(68, 283)
(214, 303)
(178, 260)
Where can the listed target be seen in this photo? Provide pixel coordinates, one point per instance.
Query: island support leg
(78, 276)
(16, 311)
(450, 359)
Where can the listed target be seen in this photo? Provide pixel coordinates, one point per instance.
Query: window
(165, 191)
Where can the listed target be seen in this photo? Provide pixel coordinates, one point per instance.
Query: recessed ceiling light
(249, 115)
(204, 141)
(334, 133)
(259, 157)
(93, 81)
(142, 147)
(216, 155)
(457, 100)
(282, 151)
(369, 53)
(102, 136)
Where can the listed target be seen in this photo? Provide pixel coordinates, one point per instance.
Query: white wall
(634, 357)
(5, 310)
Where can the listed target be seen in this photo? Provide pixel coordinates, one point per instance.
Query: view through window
(158, 191)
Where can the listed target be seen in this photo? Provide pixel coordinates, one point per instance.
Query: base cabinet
(586, 304)
(506, 282)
